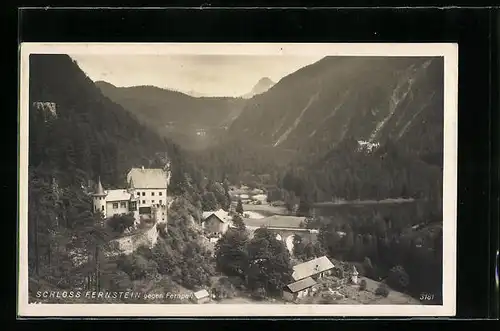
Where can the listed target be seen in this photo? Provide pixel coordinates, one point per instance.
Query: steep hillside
(263, 85)
(87, 131)
(193, 122)
(75, 135)
(366, 98)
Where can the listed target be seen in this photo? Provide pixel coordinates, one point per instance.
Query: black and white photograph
(237, 179)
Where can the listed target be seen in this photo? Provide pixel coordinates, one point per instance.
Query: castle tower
(99, 198)
(133, 203)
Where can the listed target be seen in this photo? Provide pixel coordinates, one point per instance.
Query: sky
(210, 75)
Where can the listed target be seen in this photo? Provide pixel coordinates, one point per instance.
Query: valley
(349, 145)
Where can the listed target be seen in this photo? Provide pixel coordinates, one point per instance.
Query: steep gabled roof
(117, 195)
(301, 285)
(201, 294)
(311, 268)
(147, 178)
(220, 214)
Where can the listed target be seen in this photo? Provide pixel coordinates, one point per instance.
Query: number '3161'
(426, 297)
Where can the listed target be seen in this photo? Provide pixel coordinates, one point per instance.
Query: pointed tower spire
(100, 190)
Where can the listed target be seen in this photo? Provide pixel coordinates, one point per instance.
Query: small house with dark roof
(299, 289)
(216, 223)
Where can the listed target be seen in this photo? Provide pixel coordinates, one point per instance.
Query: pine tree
(239, 207)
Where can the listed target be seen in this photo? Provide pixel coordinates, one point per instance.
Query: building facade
(144, 198)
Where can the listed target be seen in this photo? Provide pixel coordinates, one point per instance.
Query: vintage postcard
(237, 179)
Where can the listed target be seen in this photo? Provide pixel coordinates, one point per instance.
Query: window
(143, 201)
(102, 208)
(160, 202)
(152, 194)
(138, 193)
(160, 193)
(115, 205)
(152, 201)
(123, 205)
(143, 194)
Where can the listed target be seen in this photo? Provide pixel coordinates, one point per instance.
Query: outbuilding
(201, 297)
(299, 289)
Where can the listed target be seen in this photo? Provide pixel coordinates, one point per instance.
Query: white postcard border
(448, 50)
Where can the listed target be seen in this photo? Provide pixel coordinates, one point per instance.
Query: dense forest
(384, 245)
(260, 264)
(176, 115)
(350, 173)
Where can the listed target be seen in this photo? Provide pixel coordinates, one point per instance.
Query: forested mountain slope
(366, 98)
(190, 121)
(89, 133)
(347, 127)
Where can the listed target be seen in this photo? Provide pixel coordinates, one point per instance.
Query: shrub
(162, 229)
(237, 282)
(259, 294)
(362, 285)
(223, 289)
(382, 290)
(119, 223)
(398, 278)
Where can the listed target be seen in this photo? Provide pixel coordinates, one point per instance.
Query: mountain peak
(264, 84)
(266, 81)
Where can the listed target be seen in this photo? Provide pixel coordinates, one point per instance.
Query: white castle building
(145, 197)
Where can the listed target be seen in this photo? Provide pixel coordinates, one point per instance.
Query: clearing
(265, 209)
(353, 296)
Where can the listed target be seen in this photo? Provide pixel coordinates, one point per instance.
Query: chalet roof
(220, 214)
(117, 195)
(147, 178)
(301, 285)
(311, 268)
(201, 294)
